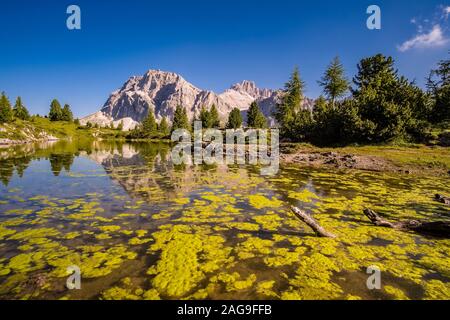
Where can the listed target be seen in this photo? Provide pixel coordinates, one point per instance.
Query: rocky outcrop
(11, 134)
(162, 91)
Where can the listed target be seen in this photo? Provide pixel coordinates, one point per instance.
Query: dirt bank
(340, 160)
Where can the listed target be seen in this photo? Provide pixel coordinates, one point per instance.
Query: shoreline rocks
(9, 142)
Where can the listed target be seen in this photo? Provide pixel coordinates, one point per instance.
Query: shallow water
(139, 227)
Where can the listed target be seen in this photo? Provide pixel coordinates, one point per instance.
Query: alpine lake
(139, 227)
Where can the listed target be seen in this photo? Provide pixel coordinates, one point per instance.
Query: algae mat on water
(140, 228)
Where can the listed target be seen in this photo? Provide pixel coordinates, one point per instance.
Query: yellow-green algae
(397, 293)
(187, 255)
(260, 201)
(234, 281)
(126, 291)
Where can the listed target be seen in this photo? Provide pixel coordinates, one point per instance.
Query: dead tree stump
(312, 223)
(439, 229)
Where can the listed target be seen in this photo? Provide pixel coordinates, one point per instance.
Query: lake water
(139, 227)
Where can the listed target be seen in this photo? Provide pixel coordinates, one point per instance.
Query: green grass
(26, 130)
(420, 155)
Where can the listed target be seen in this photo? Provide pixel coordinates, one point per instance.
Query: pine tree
(439, 87)
(55, 113)
(120, 126)
(205, 118)
(255, 118)
(20, 111)
(292, 102)
(66, 113)
(6, 113)
(149, 126)
(214, 117)
(234, 119)
(302, 125)
(334, 82)
(180, 119)
(370, 73)
(164, 127)
(387, 103)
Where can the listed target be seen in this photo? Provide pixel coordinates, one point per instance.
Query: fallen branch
(311, 222)
(437, 228)
(442, 199)
(377, 220)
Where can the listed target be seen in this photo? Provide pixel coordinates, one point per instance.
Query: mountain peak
(250, 88)
(159, 72)
(245, 85)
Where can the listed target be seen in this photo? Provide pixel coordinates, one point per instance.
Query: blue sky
(212, 44)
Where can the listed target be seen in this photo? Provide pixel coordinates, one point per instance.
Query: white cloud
(435, 38)
(447, 11)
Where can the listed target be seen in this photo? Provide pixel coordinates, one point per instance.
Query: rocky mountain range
(162, 91)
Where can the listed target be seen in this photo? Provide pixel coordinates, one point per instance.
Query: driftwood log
(437, 228)
(312, 223)
(442, 199)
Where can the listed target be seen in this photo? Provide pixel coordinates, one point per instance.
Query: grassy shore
(39, 129)
(406, 157)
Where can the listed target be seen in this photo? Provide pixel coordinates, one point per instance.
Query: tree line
(9, 113)
(149, 128)
(378, 106)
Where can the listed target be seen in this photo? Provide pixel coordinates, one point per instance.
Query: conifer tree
(234, 119)
(205, 118)
(6, 113)
(386, 102)
(66, 113)
(180, 119)
(55, 113)
(334, 82)
(164, 127)
(149, 125)
(20, 111)
(120, 126)
(255, 118)
(439, 88)
(292, 102)
(214, 117)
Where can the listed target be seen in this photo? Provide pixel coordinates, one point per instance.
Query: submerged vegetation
(140, 228)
